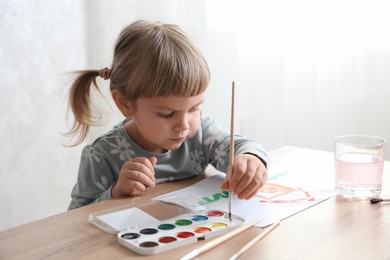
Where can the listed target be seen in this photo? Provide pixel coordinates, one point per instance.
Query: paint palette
(177, 231)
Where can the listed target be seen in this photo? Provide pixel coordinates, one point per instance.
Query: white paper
(123, 219)
(208, 190)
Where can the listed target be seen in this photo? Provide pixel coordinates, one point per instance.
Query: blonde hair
(150, 60)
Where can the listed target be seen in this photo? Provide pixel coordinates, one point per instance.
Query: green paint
(216, 197)
(278, 175)
(166, 226)
(183, 222)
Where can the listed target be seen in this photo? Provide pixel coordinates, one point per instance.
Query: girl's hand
(136, 175)
(249, 174)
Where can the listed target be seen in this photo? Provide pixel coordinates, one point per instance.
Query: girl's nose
(182, 123)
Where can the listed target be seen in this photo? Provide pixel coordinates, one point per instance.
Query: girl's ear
(122, 103)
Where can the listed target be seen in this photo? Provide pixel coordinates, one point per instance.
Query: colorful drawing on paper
(277, 193)
(270, 193)
(278, 189)
(281, 187)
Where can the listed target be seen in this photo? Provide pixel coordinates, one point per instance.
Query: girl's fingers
(225, 185)
(129, 187)
(129, 181)
(247, 178)
(153, 161)
(140, 166)
(250, 190)
(136, 174)
(252, 195)
(138, 186)
(236, 175)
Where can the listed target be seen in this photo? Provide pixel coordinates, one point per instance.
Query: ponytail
(80, 104)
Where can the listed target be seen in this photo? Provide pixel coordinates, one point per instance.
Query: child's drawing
(277, 193)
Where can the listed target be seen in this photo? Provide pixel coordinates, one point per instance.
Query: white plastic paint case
(129, 221)
(178, 231)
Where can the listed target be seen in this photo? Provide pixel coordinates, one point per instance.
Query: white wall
(305, 71)
(313, 70)
(39, 41)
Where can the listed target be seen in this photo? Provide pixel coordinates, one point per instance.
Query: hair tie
(105, 73)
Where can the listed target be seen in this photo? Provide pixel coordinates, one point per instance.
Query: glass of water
(359, 165)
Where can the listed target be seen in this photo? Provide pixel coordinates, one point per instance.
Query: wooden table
(333, 229)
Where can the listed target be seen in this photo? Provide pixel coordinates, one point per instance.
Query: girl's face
(163, 123)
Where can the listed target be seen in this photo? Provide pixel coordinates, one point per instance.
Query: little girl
(158, 80)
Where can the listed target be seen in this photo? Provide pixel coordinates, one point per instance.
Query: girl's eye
(195, 109)
(166, 115)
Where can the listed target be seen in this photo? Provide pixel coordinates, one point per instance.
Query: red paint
(185, 234)
(214, 213)
(166, 239)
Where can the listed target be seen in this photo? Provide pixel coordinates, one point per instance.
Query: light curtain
(305, 71)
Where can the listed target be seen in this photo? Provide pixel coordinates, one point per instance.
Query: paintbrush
(231, 161)
(215, 242)
(254, 241)
(378, 200)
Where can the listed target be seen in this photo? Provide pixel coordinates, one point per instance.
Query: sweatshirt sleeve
(95, 178)
(216, 141)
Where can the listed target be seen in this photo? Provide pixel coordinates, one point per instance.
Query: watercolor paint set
(156, 227)
(178, 231)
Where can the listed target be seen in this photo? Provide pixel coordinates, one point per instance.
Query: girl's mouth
(178, 140)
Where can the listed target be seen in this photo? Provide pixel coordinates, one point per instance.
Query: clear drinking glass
(359, 165)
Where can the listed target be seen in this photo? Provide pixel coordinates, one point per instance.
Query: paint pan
(177, 231)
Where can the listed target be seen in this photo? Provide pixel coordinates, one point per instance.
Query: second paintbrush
(231, 161)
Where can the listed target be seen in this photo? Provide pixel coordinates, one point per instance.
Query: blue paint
(199, 218)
